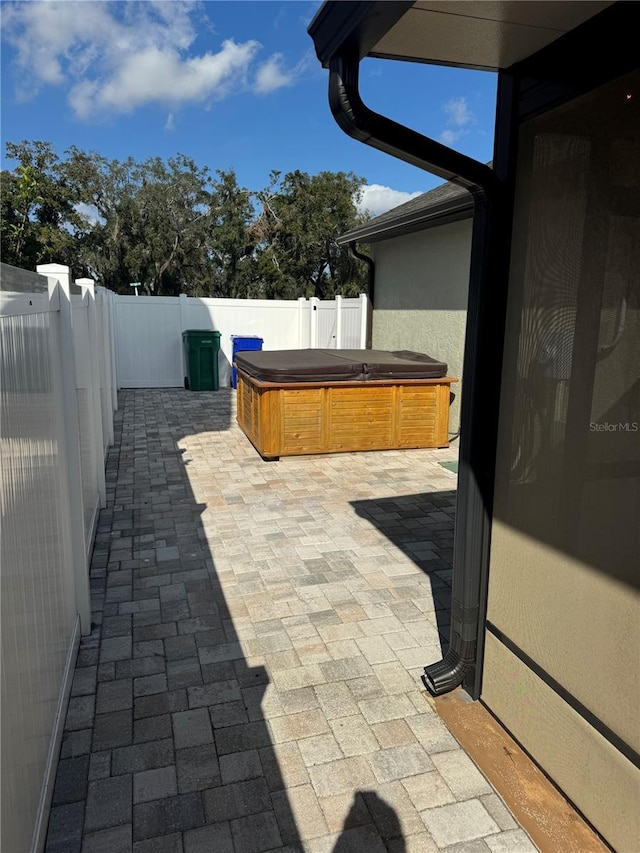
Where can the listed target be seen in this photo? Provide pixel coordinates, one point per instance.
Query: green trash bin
(201, 348)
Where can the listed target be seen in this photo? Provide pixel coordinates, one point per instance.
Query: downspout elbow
(363, 124)
(447, 674)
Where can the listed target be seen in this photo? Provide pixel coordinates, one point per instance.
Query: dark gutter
(482, 357)
(353, 24)
(386, 135)
(451, 210)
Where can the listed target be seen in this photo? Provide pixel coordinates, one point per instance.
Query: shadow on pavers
(165, 743)
(422, 527)
(359, 836)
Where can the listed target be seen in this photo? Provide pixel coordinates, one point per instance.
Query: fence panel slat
(148, 342)
(327, 314)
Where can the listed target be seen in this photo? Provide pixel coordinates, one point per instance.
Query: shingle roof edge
(445, 203)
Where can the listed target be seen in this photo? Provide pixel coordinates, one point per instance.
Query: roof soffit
(482, 34)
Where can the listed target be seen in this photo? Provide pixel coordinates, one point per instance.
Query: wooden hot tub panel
(301, 421)
(281, 420)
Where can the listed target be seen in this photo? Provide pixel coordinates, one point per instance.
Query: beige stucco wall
(420, 304)
(602, 782)
(580, 624)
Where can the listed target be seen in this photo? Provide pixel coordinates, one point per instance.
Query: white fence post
(184, 307)
(97, 442)
(111, 343)
(107, 362)
(364, 319)
(104, 367)
(301, 306)
(59, 279)
(313, 322)
(338, 321)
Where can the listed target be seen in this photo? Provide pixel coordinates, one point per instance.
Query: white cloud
(271, 75)
(458, 111)
(114, 58)
(377, 199)
(459, 116)
(450, 136)
(162, 76)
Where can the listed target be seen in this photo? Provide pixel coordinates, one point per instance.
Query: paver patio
(252, 679)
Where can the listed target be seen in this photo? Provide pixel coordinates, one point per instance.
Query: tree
(230, 256)
(39, 215)
(176, 229)
(107, 189)
(149, 220)
(171, 209)
(302, 217)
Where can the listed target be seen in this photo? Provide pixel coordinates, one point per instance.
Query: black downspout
(371, 285)
(482, 359)
(371, 268)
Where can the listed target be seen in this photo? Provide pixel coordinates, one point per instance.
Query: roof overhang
(451, 210)
(484, 34)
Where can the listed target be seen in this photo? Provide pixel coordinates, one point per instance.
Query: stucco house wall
(421, 287)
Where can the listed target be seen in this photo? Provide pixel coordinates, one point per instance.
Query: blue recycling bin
(242, 343)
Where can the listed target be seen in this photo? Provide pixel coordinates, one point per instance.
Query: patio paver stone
(252, 679)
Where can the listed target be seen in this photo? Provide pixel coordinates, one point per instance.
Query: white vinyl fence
(341, 323)
(57, 398)
(149, 331)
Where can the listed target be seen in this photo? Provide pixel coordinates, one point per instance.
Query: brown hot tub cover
(318, 365)
(404, 364)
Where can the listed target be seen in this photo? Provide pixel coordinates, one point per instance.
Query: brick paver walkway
(252, 680)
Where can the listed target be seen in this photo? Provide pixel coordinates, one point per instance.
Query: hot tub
(296, 402)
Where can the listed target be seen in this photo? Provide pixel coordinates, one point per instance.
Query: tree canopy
(175, 227)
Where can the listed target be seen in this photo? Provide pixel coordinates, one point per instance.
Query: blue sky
(230, 84)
